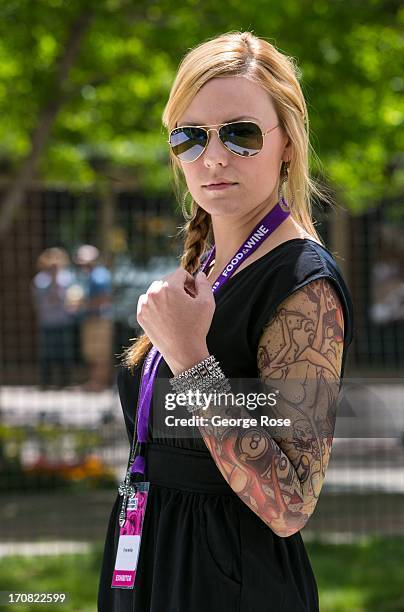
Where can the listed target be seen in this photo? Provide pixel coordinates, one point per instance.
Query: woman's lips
(220, 186)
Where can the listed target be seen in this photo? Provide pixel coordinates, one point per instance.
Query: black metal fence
(67, 449)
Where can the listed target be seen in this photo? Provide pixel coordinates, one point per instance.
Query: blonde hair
(239, 54)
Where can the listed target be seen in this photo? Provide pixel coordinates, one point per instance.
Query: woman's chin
(224, 209)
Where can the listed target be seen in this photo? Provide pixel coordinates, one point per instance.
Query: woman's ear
(287, 151)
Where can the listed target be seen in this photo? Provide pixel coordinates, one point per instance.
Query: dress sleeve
(294, 275)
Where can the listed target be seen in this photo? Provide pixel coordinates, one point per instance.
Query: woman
(221, 530)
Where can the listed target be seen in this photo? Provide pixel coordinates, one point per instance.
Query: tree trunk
(14, 195)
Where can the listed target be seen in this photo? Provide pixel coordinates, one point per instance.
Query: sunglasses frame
(216, 128)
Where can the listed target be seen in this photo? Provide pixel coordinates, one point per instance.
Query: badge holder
(131, 520)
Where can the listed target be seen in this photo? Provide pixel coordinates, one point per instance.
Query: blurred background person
(49, 289)
(94, 311)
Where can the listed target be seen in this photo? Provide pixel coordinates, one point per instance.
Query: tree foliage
(108, 103)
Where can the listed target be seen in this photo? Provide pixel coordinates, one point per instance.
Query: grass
(74, 574)
(361, 577)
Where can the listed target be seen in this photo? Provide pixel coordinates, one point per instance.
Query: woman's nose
(215, 150)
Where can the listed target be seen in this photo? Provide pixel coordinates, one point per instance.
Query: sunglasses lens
(187, 143)
(244, 138)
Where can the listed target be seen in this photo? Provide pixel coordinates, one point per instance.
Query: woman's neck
(230, 232)
(227, 245)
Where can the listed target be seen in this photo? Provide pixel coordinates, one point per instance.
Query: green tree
(83, 82)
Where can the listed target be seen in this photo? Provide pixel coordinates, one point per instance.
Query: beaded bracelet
(206, 376)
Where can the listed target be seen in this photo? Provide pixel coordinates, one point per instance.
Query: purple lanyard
(260, 232)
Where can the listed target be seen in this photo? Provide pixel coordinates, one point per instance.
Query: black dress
(202, 547)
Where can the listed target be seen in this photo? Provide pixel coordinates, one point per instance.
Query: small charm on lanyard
(130, 534)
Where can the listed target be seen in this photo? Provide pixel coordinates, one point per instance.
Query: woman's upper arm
(300, 354)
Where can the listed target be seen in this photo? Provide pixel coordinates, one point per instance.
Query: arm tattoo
(299, 354)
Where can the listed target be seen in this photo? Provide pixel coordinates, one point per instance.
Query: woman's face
(222, 100)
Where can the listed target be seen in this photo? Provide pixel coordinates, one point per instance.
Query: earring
(188, 215)
(284, 176)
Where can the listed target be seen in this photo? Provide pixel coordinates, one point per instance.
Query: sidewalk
(69, 522)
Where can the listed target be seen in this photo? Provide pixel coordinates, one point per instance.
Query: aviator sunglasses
(244, 138)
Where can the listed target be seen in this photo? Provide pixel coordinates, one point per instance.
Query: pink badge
(130, 535)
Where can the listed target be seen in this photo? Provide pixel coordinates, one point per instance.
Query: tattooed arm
(300, 353)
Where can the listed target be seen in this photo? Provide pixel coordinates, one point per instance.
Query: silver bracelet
(206, 376)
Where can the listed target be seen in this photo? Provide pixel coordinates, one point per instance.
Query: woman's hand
(176, 313)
